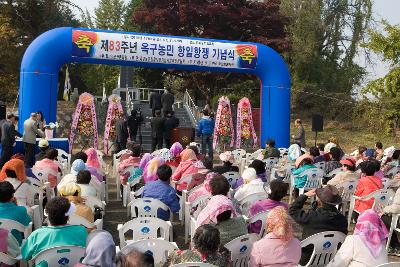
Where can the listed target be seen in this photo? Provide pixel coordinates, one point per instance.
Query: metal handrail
(191, 107)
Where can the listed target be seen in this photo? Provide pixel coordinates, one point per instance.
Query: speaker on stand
(317, 125)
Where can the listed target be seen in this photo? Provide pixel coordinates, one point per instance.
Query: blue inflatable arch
(51, 50)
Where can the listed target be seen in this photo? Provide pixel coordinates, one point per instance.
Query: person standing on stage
(134, 122)
(155, 102)
(8, 134)
(171, 122)
(300, 136)
(30, 132)
(167, 101)
(121, 132)
(157, 131)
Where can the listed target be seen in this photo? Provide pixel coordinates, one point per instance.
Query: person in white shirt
(252, 185)
(77, 166)
(366, 247)
(83, 180)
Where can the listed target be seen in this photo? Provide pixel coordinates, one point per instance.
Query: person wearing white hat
(43, 146)
(252, 184)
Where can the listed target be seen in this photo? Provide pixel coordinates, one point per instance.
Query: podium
(183, 135)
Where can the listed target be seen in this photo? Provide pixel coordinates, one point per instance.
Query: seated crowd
(225, 209)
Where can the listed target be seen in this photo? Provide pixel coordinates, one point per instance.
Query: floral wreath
(245, 126)
(223, 130)
(114, 112)
(84, 120)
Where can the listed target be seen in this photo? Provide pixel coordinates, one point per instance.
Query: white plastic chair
(325, 247)
(144, 228)
(261, 216)
(159, 248)
(393, 227)
(240, 249)
(389, 264)
(193, 264)
(64, 159)
(7, 259)
(269, 164)
(238, 155)
(43, 176)
(127, 188)
(79, 220)
(333, 173)
(115, 171)
(392, 172)
(348, 189)
(186, 179)
(60, 256)
(188, 207)
(289, 167)
(314, 180)
(14, 225)
(147, 207)
(386, 183)
(283, 151)
(93, 202)
(382, 198)
(320, 165)
(248, 200)
(232, 177)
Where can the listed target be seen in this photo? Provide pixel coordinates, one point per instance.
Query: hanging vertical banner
(114, 113)
(67, 86)
(223, 131)
(245, 133)
(163, 50)
(84, 120)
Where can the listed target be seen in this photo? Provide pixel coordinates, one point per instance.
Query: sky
(383, 9)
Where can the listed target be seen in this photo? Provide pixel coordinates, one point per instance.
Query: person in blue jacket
(205, 130)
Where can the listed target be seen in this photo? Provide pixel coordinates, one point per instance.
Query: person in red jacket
(366, 185)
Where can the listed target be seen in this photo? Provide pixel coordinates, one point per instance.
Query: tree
(386, 90)
(110, 14)
(236, 20)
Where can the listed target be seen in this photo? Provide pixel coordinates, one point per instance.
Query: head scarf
(294, 152)
(188, 154)
(93, 160)
(280, 223)
(328, 147)
(100, 250)
(300, 159)
(215, 206)
(249, 174)
(176, 149)
(70, 189)
(145, 159)
(77, 166)
(227, 156)
(372, 231)
(15, 165)
(150, 171)
(164, 154)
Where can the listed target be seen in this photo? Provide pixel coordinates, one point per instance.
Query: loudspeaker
(3, 111)
(317, 123)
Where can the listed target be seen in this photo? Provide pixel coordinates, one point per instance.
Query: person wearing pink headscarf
(204, 190)
(150, 171)
(366, 247)
(185, 168)
(278, 247)
(176, 149)
(92, 158)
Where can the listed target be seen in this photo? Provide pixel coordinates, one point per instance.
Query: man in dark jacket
(155, 102)
(134, 122)
(171, 122)
(270, 150)
(8, 134)
(205, 130)
(323, 215)
(300, 136)
(121, 134)
(167, 101)
(157, 131)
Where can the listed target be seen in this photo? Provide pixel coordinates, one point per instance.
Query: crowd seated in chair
(278, 190)
(93, 171)
(10, 210)
(43, 147)
(323, 215)
(100, 250)
(270, 150)
(227, 159)
(49, 161)
(72, 192)
(150, 170)
(135, 259)
(83, 180)
(206, 242)
(77, 166)
(279, 247)
(203, 169)
(348, 173)
(335, 154)
(366, 246)
(204, 189)
(259, 166)
(186, 167)
(58, 233)
(252, 184)
(133, 160)
(161, 190)
(366, 185)
(302, 164)
(176, 150)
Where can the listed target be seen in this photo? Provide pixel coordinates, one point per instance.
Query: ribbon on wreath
(245, 126)
(114, 112)
(86, 100)
(223, 122)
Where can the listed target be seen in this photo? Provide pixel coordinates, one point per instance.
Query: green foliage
(110, 14)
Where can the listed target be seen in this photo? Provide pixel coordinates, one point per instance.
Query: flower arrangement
(223, 131)
(114, 113)
(246, 135)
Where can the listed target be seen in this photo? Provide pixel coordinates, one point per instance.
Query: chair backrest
(12, 225)
(392, 172)
(333, 172)
(60, 256)
(92, 202)
(145, 228)
(248, 200)
(314, 178)
(320, 165)
(43, 174)
(232, 177)
(283, 151)
(7, 259)
(289, 167)
(261, 216)
(389, 264)
(270, 163)
(240, 249)
(159, 248)
(79, 220)
(238, 154)
(325, 247)
(382, 198)
(193, 264)
(64, 159)
(386, 183)
(147, 207)
(348, 190)
(131, 169)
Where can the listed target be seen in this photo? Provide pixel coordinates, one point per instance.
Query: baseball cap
(43, 143)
